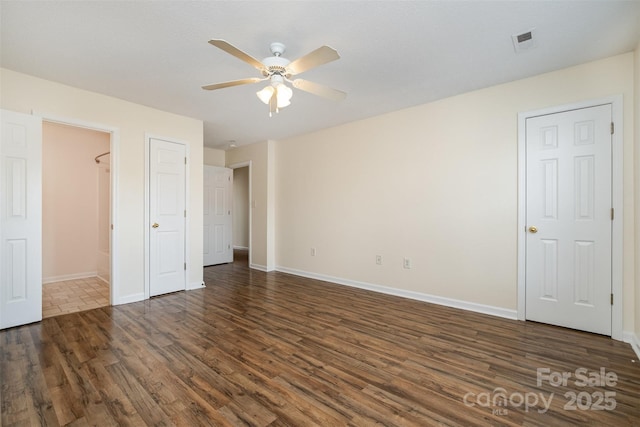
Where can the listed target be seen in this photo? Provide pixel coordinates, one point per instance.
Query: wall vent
(524, 41)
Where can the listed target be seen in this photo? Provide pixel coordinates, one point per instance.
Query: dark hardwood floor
(260, 349)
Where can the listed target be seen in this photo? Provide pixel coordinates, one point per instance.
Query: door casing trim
(248, 164)
(617, 180)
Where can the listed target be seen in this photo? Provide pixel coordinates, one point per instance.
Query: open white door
(569, 219)
(167, 215)
(20, 219)
(218, 185)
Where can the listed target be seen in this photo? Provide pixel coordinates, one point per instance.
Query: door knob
(155, 225)
(533, 229)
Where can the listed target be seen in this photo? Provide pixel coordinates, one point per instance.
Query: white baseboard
(74, 276)
(634, 340)
(241, 248)
(195, 285)
(258, 267)
(140, 297)
(434, 299)
(130, 298)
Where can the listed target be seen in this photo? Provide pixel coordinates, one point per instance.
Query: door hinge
(185, 265)
(611, 299)
(612, 214)
(229, 178)
(185, 213)
(185, 160)
(613, 128)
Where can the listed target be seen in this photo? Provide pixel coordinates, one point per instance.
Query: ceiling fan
(278, 70)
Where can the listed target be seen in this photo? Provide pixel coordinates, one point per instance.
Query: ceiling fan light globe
(282, 104)
(265, 94)
(283, 95)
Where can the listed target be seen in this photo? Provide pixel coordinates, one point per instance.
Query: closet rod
(100, 155)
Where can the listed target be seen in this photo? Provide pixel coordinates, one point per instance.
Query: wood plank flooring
(271, 349)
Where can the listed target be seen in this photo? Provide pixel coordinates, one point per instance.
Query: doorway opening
(76, 219)
(241, 212)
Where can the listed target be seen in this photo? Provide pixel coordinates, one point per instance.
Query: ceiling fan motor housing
(275, 65)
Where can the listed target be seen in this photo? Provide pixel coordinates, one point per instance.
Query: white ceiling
(394, 54)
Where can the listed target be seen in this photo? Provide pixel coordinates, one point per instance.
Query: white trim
(617, 203)
(195, 285)
(522, 217)
(241, 248)
(53, 118)
(114, 148)
(259, 267)
(147, 219)
(114, 162)
(239, 165)
(617, 227)
(146, 222)
(187, 220)
(128, 299)
(433, 299)
(633, 340)
(65, 277)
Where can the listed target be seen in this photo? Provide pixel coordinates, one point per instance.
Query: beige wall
(213, 157)
(70, 200)
(241, 207)
(23, 93)
(262, 199)
(436, 183)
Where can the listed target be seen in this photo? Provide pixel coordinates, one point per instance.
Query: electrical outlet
(313, 251)
(407, 263)
(379, 259)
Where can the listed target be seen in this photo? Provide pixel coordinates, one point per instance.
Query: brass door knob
(533, 229)
(155, 225)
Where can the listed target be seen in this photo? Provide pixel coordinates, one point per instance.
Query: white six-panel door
(20, 219)
(218, 243)
(167, 215)
(568, 216)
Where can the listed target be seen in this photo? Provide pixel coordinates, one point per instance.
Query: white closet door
(167, 208)
(218, 226)
(568, 271)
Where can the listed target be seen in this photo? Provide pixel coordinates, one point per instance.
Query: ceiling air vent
(524, 41)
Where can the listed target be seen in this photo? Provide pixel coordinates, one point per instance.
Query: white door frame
(238, 166)
(147, 212)
(114, 146)
(617, 204)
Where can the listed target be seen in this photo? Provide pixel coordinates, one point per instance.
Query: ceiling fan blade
(232, 50)
(232, 83)
(320, 90)
(320, 56)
